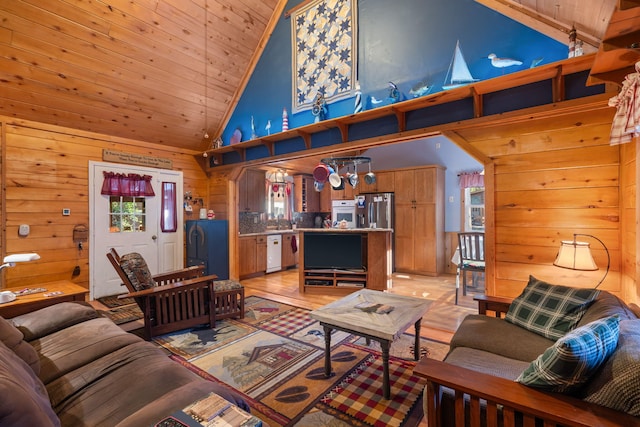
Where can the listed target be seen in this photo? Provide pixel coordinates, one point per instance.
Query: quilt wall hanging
(324, 45)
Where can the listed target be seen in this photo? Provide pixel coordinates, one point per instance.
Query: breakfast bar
(340, 261)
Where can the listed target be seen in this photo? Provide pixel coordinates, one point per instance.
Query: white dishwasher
(274, 253)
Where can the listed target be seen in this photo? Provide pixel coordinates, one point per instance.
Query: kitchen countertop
(268, 232)
(345, 230)
(316, 230)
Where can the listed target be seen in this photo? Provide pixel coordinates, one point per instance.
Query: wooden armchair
(169, 301)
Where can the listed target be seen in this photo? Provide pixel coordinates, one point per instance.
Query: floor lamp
(576, 255)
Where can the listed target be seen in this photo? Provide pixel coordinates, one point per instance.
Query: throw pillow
(136, 269)
(549, 310)
(616, 383)
(13, 339)
(572, 360)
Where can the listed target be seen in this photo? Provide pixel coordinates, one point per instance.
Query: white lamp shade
(575, 255)
(21, 258)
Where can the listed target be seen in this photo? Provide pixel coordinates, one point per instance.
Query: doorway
(133, 224)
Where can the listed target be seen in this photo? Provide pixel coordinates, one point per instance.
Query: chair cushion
(136, 269)
(226, 285)
(616, 384)
(574, 358)
(549, 310)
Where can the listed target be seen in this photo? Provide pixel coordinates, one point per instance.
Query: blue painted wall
(404, 41)
(407, 42)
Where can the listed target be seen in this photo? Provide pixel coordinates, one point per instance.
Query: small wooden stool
(229, 299)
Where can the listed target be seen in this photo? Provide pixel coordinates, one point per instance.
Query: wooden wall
(45, 169)
(556, 175)
(629, 221)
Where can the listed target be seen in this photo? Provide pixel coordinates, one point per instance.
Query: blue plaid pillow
(572, 360)
(549, 310)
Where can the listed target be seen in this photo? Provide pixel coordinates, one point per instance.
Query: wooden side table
(31, 302)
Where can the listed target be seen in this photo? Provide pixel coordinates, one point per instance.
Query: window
(474, 209)
(127, 214)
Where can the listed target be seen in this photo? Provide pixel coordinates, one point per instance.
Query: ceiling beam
(544, 24)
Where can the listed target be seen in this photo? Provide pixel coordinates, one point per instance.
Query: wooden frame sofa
(476, 383)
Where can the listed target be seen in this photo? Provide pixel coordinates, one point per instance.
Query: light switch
(23, 230)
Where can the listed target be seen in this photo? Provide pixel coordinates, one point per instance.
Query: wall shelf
(469, 100)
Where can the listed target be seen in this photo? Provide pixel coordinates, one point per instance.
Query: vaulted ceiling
(169, 71)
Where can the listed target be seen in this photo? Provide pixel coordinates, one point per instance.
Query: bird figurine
(503, 62)
(268, 127)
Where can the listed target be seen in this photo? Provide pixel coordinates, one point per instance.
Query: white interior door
(163, 251)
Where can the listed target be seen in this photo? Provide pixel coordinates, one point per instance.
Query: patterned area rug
(121, 310)
(275, 358)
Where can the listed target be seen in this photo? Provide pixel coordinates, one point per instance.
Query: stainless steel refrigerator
(374, 210)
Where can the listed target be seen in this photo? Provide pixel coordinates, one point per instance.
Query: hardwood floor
(442, 319)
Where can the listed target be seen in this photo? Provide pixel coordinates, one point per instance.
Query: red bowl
(321, 173)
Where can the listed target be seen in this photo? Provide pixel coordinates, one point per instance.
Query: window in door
(474, 212)
(127, 214)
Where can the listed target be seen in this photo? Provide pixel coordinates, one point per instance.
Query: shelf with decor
(404, 113)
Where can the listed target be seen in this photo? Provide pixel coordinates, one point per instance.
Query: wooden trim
(291, 11)
(537, 21)
(257, 53)
(3, 194)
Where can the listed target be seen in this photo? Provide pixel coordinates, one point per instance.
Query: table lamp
(576, 255)
(10, 261)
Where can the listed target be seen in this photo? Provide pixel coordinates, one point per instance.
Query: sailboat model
(458, 73)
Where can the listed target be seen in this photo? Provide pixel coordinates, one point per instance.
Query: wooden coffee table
(68, 291)
(384, 328)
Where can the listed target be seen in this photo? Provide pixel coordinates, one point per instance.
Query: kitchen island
(341, 261)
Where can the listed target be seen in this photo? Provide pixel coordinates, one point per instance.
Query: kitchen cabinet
(348, 193)
(251, 191)
(307, 199)
(419, 222)
(253, 255)
(384, 183)
(325, 198)
(288, 256)
(375, 258)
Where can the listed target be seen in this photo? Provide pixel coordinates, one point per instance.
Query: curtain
(626, 122)
(169, 219)
(471, 180)
(132, 184)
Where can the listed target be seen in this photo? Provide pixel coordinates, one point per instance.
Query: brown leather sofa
(66, 365)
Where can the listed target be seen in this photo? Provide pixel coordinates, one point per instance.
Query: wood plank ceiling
(139, 69)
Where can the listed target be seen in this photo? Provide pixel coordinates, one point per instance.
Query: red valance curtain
(471, 180)
(132, 184)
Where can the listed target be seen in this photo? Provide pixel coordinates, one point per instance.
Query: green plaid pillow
(549, 310)
(572, 360)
